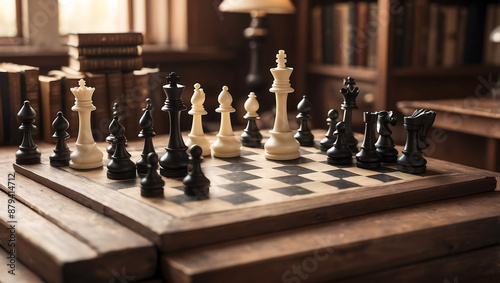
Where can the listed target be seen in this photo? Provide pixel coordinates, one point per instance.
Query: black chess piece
(152, 184)
(146, 122)
(304, 135)
(111, 138)
(339, 153)
(349, 93)
(174, 162)
(251, 136)
(195, 183)
(28, 152)
(120, 167)
(368, 157)
(417, 125)
(385, 143)
(61, 155)
(327, 142)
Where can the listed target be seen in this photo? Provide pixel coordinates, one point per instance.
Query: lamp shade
(246, 6)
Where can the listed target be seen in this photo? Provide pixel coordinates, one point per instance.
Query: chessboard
(250, 195)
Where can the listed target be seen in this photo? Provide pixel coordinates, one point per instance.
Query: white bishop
(226, 144)
(197, 136)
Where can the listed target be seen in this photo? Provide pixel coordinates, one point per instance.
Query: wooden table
(472, 116)
(77, 226)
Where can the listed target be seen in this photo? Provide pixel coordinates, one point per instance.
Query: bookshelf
(392, 79)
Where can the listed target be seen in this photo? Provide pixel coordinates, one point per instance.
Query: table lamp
(257, 31)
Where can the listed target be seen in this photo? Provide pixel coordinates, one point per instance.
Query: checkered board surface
(251, 181)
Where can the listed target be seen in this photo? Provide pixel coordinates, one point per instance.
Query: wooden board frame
(171, 234)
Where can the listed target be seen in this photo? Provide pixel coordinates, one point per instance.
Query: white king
(281, 144)
(86, 155)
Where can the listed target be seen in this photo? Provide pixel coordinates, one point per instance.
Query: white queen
(86, 155)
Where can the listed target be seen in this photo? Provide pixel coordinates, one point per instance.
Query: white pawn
(197, 136)
(226, 144)
(281, 144)
(86, 155)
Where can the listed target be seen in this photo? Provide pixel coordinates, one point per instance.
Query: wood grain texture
(347, 248)
(481, 265)
(40, 241)
(22, 274)
(113, 242)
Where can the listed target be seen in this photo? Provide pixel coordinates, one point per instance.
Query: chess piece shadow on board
(61, 155)
(417, 126)
(28, 152)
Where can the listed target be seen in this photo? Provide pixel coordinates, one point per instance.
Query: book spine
(141, 92)
(101, 116)
(69, 101)
(5, 115)
(96, 51)
(433, 35)
(97, 64)
(51, 101)
(462, 25)
(474, 38)
(361, 34)
(108, 39)
(399, 25)
(316, 34)
(155, 86)
(128, 106)
(372, 31)
(15, 104)
(32, 87)
(450, 35)
(408, 33)
(328, 37)
(345, 28)
(351, 47)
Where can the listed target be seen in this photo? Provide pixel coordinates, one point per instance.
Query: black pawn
(195, 183)
(339, 153)
(349, 93)
(61, 154)
(152, 184)
(417, 125)
(304, 135)
(327, 142)
(174, 162)
(111, 138)
(385, 143)
(120, 167)
(368, 156)
(28, 152)
(146, 122)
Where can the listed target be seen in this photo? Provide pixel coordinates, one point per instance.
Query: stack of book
(344, 33)
(17, 83)
(105, 51)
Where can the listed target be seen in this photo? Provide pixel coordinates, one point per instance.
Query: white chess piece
(86, 155)
(281, 144)
(197, 136)
(226, 144)
(251, 106)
